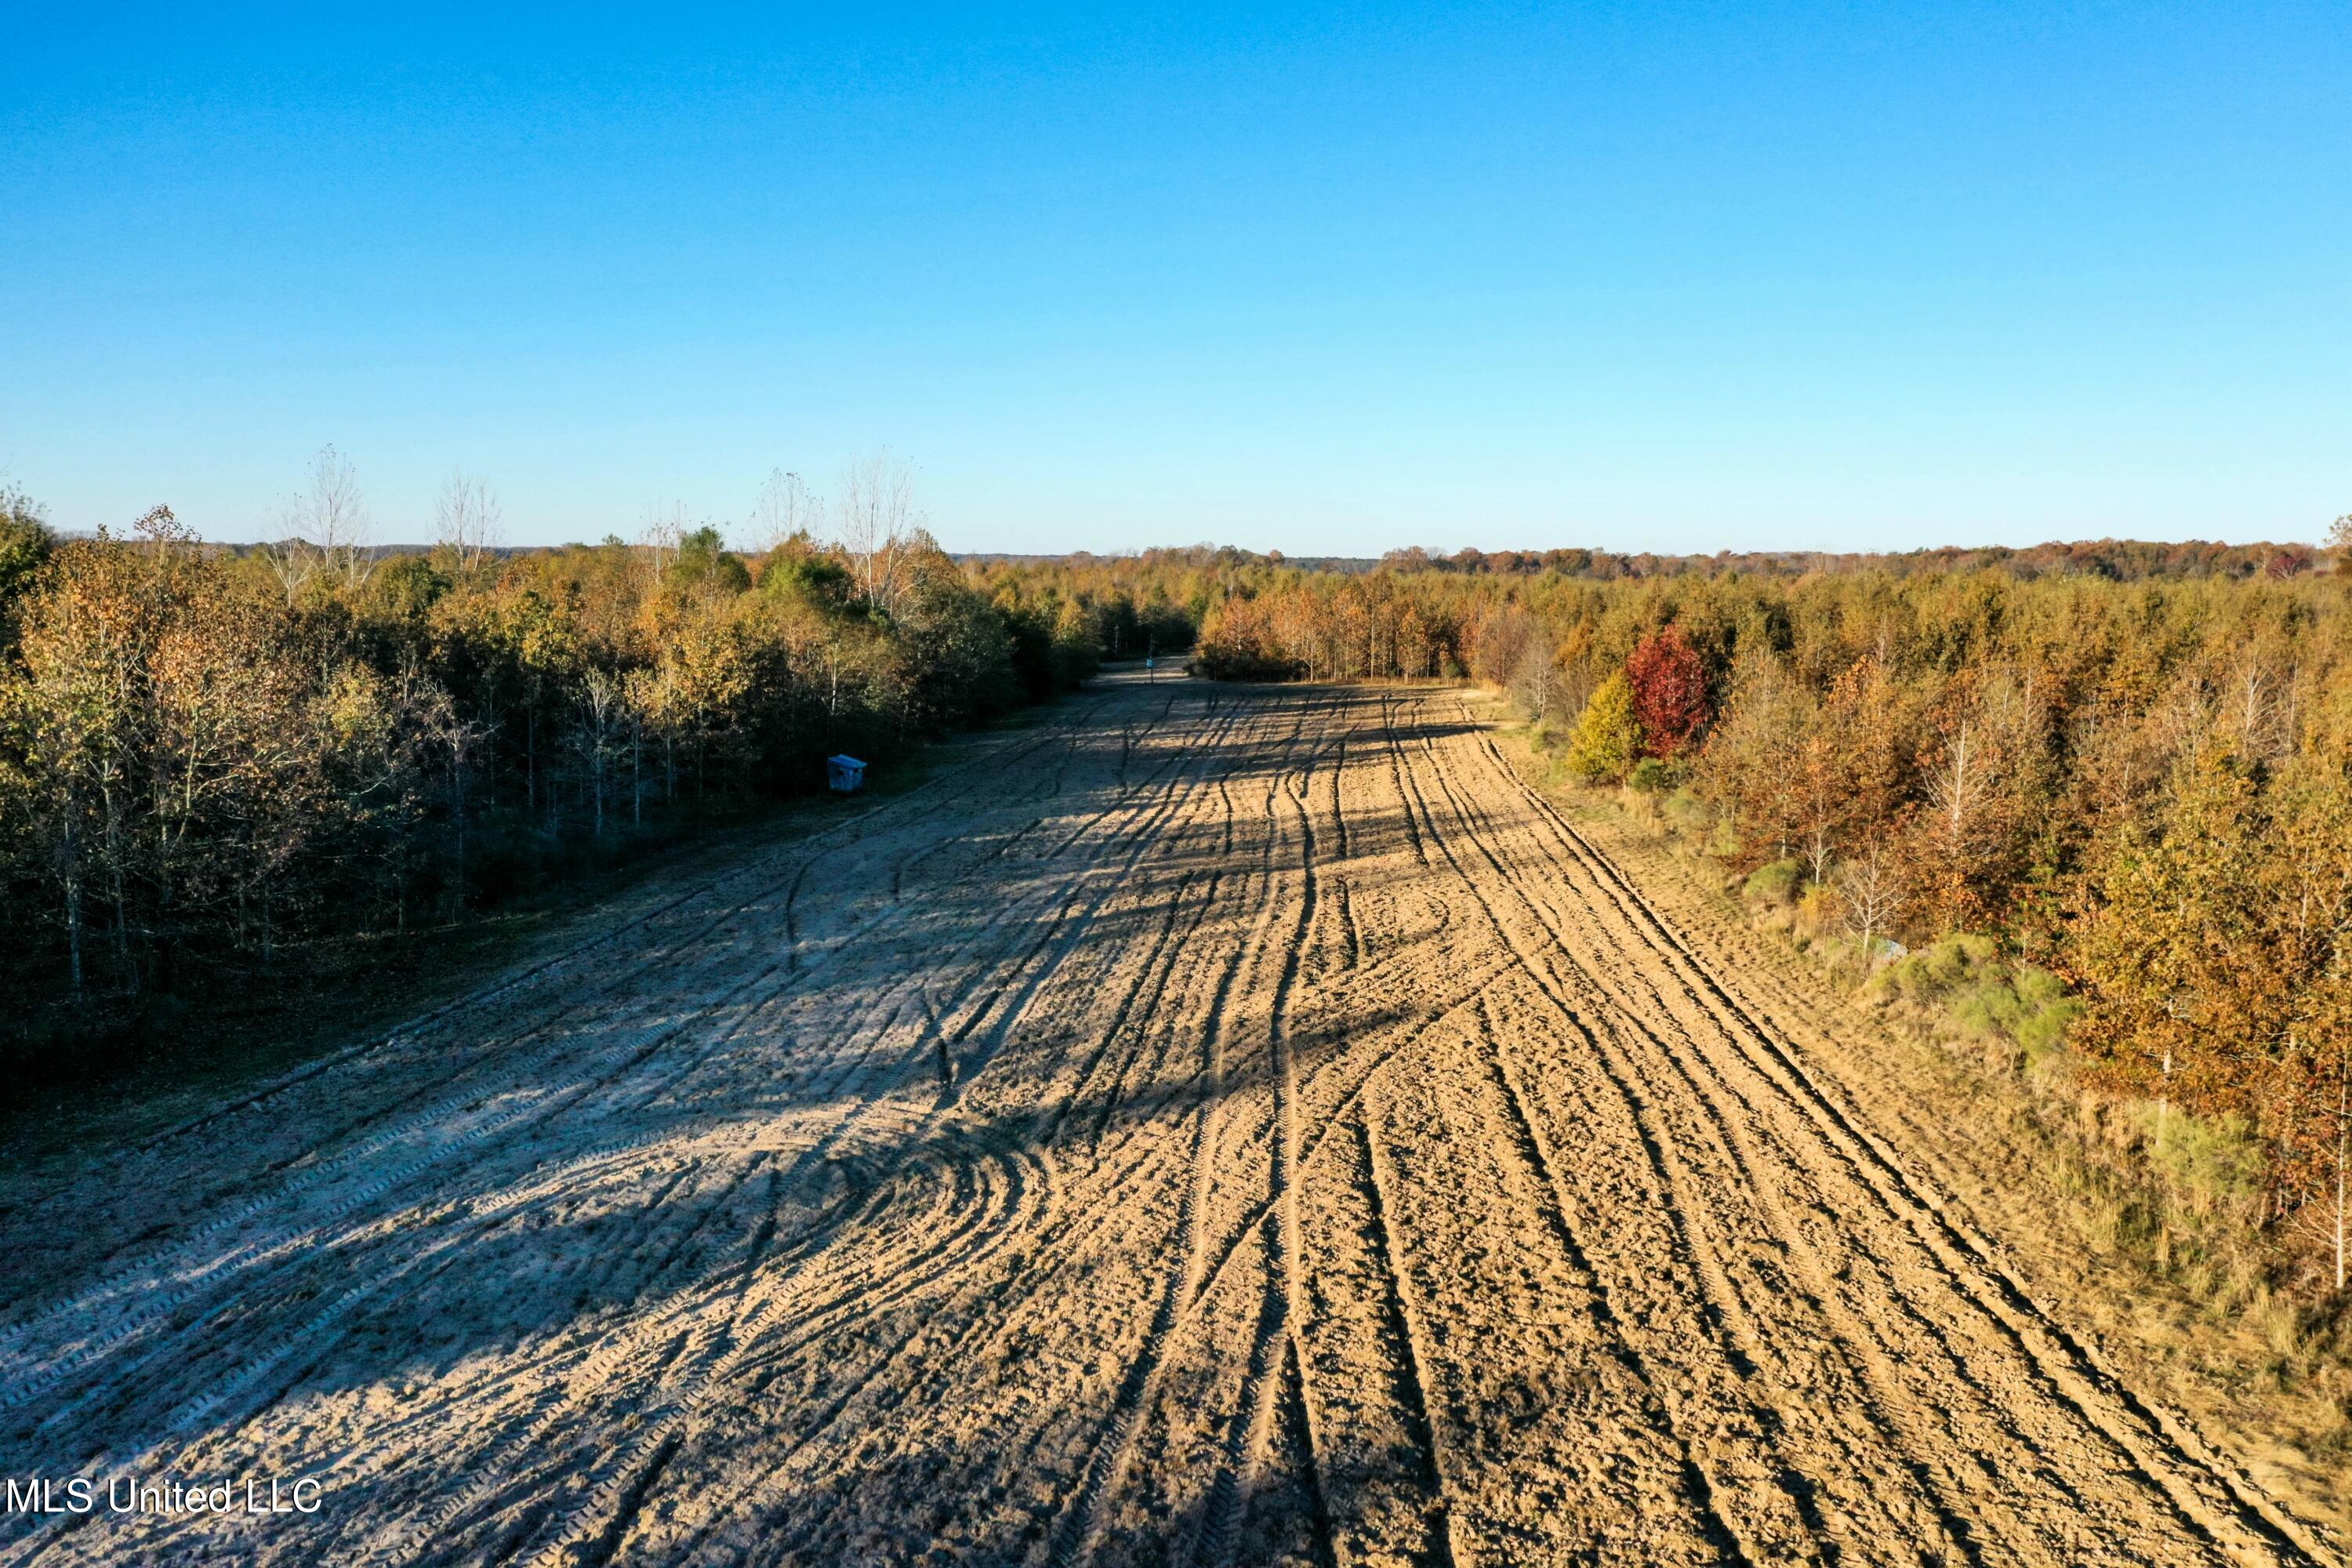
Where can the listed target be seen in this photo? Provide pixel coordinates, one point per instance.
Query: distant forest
(2120, 560)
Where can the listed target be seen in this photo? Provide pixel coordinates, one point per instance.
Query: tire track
(2206, 1497)
(1229, 1126)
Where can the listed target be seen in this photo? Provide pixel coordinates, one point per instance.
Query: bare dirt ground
(1220, 1126)
(1992, 1148)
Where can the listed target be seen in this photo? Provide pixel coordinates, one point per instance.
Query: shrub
(1817, 912)
(2046, 1010)
(1774, 882)
(1988, 1000)
(1688, 813)
(1933, 974)
(2211, 1162)
(1651, 776)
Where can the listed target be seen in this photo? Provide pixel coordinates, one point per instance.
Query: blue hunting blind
(844, 773)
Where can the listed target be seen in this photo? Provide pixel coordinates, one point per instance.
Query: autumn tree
(1608, 736)
(1746, 765)
(1669, 692)
(2169, 950)
(76, 733)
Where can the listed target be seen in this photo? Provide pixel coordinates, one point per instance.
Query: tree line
(2119, 560)
(2106, 807)
(216, 761)
(2122, 560)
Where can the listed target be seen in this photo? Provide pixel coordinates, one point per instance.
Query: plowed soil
(1221, 1127)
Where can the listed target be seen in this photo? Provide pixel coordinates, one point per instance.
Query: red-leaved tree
(1669, 692)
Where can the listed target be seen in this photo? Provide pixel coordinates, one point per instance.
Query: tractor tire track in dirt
(1219, 1126)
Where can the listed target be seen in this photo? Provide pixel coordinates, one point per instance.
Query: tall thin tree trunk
(118, 935)
(458, 802)
(2164, 1099)
(2343, 1103)
(73, 913)
(126, 974)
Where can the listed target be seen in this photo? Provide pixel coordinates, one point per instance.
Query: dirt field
(1220, 1127)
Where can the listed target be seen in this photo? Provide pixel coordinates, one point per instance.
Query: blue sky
(1657, 277)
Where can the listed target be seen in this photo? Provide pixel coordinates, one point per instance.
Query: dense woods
(2104, 824)
(213, 761)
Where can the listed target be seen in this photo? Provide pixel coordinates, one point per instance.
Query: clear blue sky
(1645, 277)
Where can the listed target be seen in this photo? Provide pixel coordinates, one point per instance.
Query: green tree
(704, 568)
(24, 546)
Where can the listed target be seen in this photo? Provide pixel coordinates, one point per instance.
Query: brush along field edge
(1224, 1126)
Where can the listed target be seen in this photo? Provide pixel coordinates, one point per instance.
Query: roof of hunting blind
(844, 761)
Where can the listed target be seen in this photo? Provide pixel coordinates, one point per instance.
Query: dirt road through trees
(1220, 1126)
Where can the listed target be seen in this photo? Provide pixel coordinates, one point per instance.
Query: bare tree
(1956, 785)
(163, 531)
(472, 520)
(786, 506)
(294, 563)
(1534, 678)
(2185, 715)
(665, 527)
(1502, 639)
(602, 701)
(1870, 890)
(326, 527)
(878, 519)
